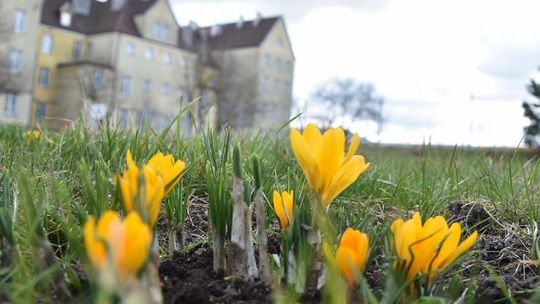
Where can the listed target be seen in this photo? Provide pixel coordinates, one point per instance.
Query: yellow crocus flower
(427, 248)
(142, 190)
(322, 158)
(351, 254)
(283, 207)
(112, 242)
(31, 135)
(168, 169)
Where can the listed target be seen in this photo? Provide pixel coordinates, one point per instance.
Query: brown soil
(504, 248)
(189, 278)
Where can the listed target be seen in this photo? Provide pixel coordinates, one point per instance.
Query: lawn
(52, 182)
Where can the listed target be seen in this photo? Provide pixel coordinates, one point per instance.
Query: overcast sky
(451, 72)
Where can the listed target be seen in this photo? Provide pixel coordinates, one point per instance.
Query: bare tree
(348, 98)
(237, 93)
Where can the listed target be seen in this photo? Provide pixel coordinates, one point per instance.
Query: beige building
(19, 22)
(129, 61)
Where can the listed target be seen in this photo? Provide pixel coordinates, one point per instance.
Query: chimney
(215, 30)
(240, 22)
(187, 35)
(81, 7)
(188, 31)
(257, 20)
(117, 5)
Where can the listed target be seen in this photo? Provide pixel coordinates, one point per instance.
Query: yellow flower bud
(352, 254)
(283, 207)
(142, 190)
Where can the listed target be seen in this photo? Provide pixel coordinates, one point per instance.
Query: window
(183, 62)
(264, 83)
(125, 85)
(122, 118)
(41, 111)
(149, 53)
(276, 86)
(147, 85)
(289, 66)
(267, 60)
(98, 112)
(165, 89)
(278, 64)
(167, 58)
(46, 43)
(11, 104)
(77, 50)
(43, 77)
(19, 21)
(130, 48)
(156, 29)
(279, 41)
(161, 31)
(99, 80)
(165, 32)
(15, 61)
(287, 88)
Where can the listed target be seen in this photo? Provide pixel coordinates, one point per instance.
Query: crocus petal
(330, 157)
(305, 158)
(464, 246)
(136, 244)
(353, 147)
(279, 210)
(346, 175)
(288, 201)
(313, 137)
(448, 246)
(345, 261)
(94, 247)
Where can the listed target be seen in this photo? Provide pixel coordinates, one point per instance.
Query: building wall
(275, 76)
(176, 77)
(61, 52)
(25, 41)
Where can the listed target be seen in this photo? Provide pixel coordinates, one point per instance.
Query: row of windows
(11, 105)
(276, 86)
(47, 46)
(150, 54)
(126, 86)
(278, 63)
(98, 112)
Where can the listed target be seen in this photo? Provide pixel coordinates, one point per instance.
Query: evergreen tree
(532, 111)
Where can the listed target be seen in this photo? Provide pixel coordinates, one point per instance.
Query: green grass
(50, 185)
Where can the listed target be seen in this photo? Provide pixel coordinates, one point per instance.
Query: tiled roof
(101, 18)
(247, 35)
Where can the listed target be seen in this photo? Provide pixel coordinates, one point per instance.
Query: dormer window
(66, 14)
(161, 31)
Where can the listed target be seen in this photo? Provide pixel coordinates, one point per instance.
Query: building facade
(19, 23)
(129, 61)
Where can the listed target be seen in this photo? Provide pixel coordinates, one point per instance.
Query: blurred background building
(129, 60)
